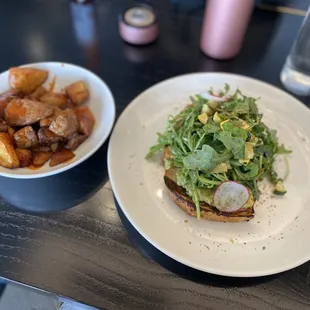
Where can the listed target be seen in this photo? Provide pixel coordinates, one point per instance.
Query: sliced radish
(212, 97)
(230, 196)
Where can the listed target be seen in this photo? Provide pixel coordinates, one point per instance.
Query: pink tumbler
(224, 27)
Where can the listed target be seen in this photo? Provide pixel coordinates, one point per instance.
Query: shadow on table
(182, 270)
(60, 191)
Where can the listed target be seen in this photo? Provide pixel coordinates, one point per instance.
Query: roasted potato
(26, 80)
(3, 125)
(45, 148)
(61, 156)
(5, 98)
(8, 95)
(39, 158)
(54, 147)
(56, 99)
(75, 141)
(38, 93)
(3, 105)
(24, 156)
(45, 122)
(26, 138)
(47, 137)
(70, 104)
(86, 120)
(65, 124)
(11, 132)
(77, 92)
(8, 156)
(21, 112)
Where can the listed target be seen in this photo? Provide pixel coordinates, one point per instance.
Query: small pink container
(224, 26)
(138, 25)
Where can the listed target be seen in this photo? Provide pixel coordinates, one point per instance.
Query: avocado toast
(215, 152)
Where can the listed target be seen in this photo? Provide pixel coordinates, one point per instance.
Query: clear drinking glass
(295, 74)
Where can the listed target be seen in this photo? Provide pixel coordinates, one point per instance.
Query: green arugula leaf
(252, 185)
(225, 92)
(253, 106)
(201, 159)
(235, 106)
(242, 107)
(205, 159)
(165, 139)
(211, 128)
(234, 144)
(265, 150)
(227, 106)
(154, 149)
(282, 150)
(235, 130)
(258, 130)
(272, 137)
(250, 172)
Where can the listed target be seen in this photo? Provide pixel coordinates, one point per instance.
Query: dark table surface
(85, 253)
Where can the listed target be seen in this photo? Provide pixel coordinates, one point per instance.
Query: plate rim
(84, 158)
(167, 252)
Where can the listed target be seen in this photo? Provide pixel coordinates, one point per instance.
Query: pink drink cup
(224, 27)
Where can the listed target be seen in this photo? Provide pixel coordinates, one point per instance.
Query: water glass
(295, 74)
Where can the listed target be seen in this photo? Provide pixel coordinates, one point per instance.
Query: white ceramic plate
(277, 239)
(101, 102)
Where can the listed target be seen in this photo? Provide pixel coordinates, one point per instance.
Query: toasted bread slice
(182, 200)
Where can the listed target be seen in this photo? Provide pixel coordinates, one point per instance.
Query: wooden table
(85, 253)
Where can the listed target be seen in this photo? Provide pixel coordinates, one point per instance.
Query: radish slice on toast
(212, 97)
(230, 196)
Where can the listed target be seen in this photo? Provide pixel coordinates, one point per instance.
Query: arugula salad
(220, 138)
